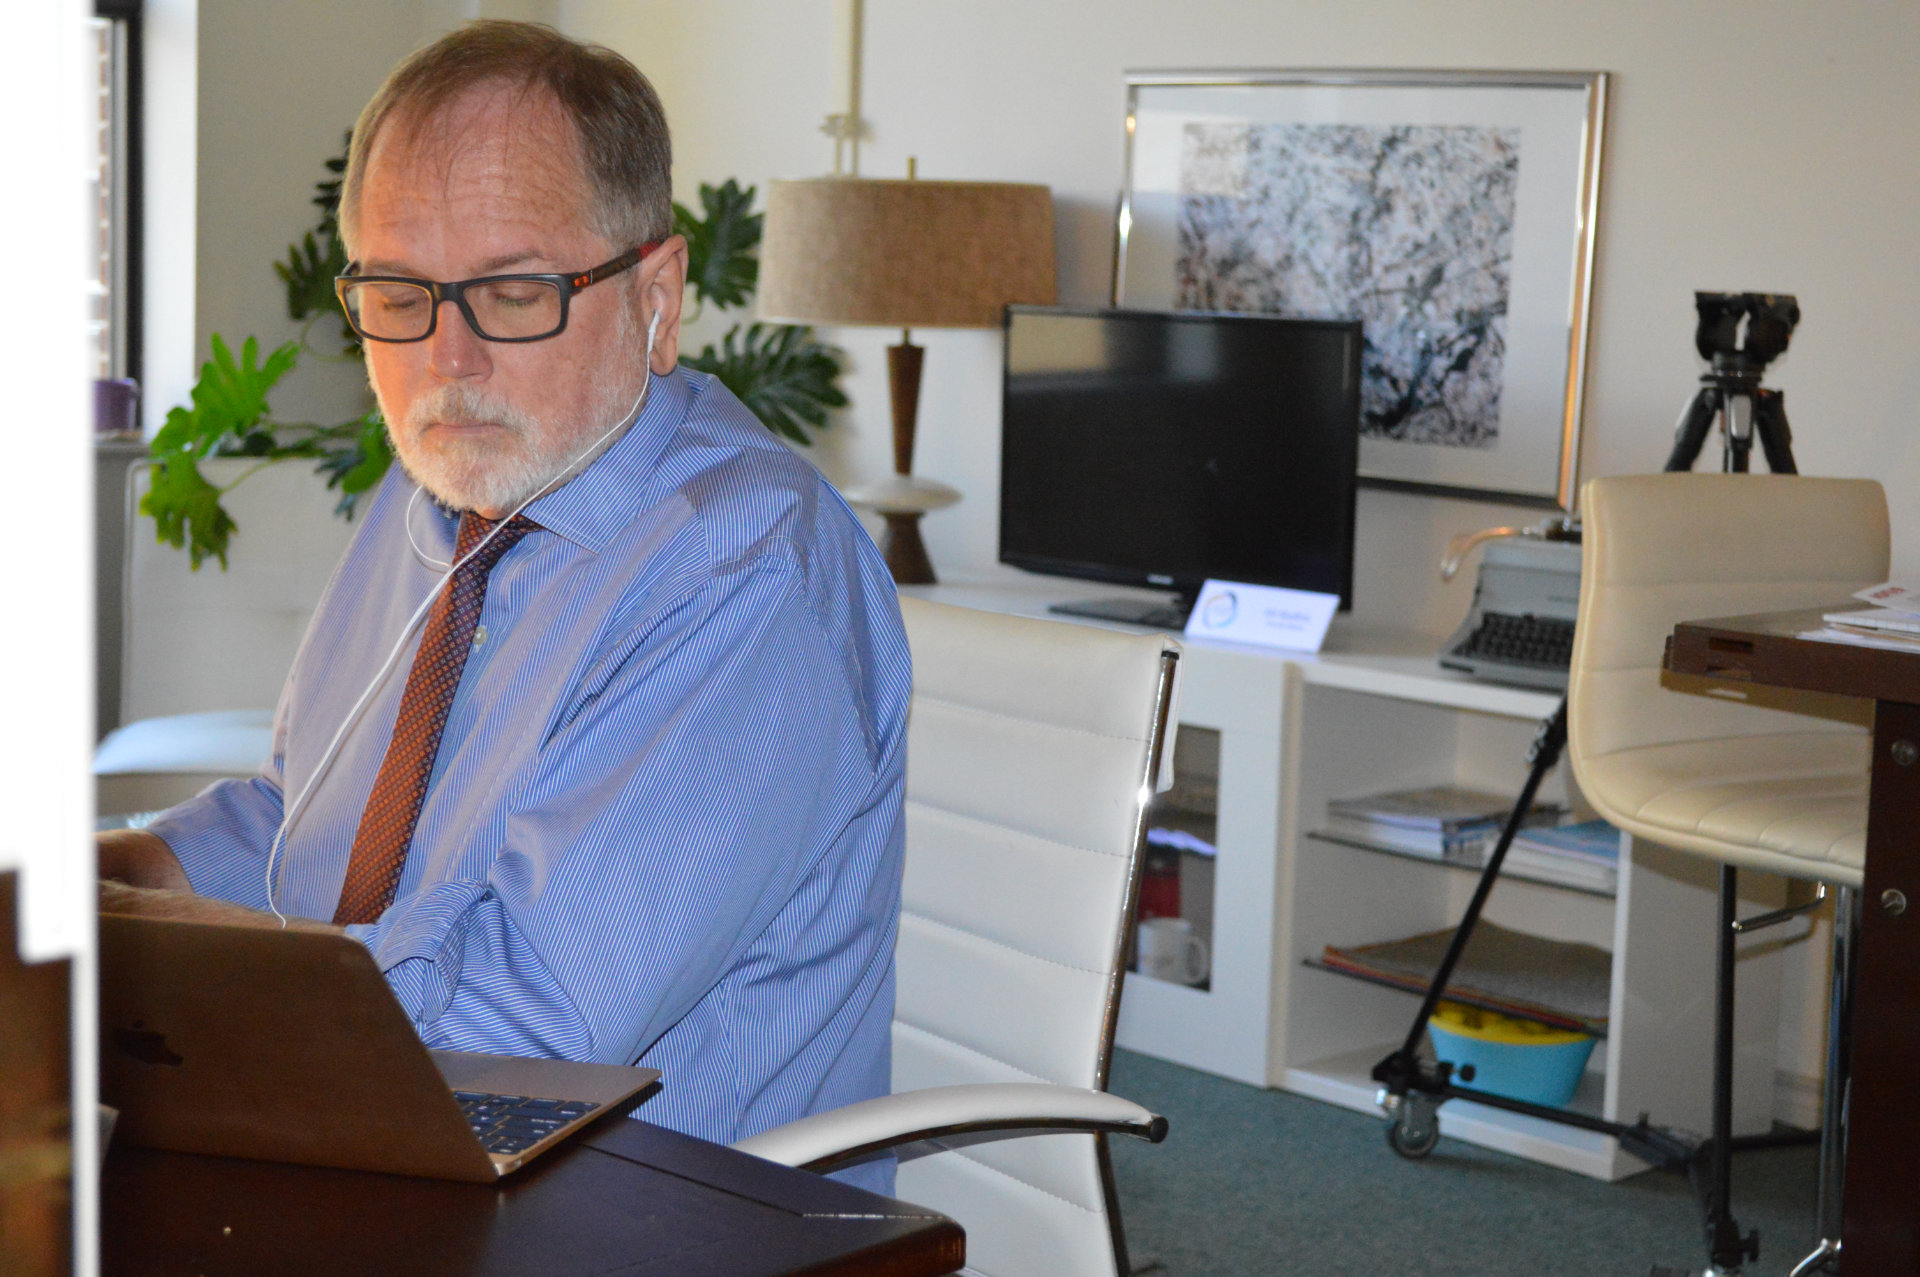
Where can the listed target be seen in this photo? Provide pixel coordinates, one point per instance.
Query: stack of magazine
(1585, 855)
(1443, 822)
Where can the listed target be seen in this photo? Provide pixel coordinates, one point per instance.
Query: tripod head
(1769, 322)
(1730, 388)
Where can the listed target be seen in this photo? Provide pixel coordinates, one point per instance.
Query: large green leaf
(229, 400)
(308, 274)
(186, 509)
(227, 408)
(229, 416)
(314, 260)
(356, 469)
(721, 264)
(780, 372)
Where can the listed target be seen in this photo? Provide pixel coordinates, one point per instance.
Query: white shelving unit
(1374, 712)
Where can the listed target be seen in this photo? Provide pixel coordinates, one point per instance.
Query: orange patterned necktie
(393, 808)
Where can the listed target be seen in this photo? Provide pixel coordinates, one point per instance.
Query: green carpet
(1259, 1182)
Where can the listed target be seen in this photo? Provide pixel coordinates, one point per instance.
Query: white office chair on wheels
(1033, 747)
(1746, 786)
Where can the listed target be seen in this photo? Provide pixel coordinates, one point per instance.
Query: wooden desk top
(627, 1197)
(1777, 649)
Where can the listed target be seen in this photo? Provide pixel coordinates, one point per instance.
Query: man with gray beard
(597, 738)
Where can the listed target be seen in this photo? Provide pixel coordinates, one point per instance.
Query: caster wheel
(1414, 1128)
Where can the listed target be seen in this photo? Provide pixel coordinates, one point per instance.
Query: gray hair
(618, 117)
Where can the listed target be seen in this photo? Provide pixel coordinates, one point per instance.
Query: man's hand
(139, 859)
(117, 897)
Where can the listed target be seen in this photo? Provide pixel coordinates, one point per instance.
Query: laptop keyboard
(1545, 642)
(513, 1123)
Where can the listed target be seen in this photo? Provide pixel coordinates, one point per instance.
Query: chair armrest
(950, 1114)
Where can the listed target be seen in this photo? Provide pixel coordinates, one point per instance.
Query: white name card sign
(1296, 620)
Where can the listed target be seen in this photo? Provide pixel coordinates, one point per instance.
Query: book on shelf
(1465, 843)
(1586, 854)
(1445, 822)
(1590, 841)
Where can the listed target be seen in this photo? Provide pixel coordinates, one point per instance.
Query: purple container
(116, 406)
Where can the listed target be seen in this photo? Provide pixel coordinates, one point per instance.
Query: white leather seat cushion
(1031, 1205)
(1791, 804)
(1028, 1230)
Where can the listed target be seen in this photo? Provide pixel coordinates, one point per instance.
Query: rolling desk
(625, 1197)
(1881, 1222)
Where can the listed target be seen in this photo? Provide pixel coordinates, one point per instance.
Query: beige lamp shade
(912, 254)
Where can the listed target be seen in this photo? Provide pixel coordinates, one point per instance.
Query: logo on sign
(1220, 610)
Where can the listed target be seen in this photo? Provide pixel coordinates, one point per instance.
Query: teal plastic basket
(1519, 1060)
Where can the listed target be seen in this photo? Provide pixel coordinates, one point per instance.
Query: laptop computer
(288, 1046)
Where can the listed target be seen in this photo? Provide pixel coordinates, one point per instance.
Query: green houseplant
(779, 371)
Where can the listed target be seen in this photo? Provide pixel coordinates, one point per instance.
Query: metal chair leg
(1833, 1115)
(1729, 1250)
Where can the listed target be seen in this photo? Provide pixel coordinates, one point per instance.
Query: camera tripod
(1412, 1089)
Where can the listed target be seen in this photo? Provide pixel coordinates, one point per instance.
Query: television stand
(1171, 615)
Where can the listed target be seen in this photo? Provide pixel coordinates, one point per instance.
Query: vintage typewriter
(1520, 627)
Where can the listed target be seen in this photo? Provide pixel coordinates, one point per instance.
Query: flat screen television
(1165, 448)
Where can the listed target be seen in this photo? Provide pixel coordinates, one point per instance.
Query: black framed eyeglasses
(395, 308)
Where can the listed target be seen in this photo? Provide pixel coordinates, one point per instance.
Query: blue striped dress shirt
(664, 824)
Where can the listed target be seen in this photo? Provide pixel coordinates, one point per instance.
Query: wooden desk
(627, 1198)
(1881, 1224)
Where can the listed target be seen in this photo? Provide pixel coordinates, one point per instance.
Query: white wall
(1763, 145)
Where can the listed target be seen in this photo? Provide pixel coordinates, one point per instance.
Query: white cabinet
(1359, 723)
(1376, 713)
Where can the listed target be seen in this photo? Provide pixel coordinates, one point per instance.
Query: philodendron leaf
(317, 257)
(356, 469)
(721, 265)
(308, 274)
(186, 509)
(782, 375)
(229, 399)
(226, 414)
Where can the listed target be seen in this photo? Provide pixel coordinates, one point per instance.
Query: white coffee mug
(1170, 951)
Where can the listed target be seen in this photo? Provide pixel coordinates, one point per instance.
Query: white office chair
(1033, 747)
(1741, 784)
(204, 653)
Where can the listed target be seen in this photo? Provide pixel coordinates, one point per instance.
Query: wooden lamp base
(901, 498)
(905, 552)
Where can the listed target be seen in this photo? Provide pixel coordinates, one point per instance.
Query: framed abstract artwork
(1451, 212)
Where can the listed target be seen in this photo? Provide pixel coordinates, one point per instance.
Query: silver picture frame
(1453, 212)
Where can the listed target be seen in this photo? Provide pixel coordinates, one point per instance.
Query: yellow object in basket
(1491, 1026)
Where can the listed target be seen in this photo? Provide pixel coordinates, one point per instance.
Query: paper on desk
(1892, 640)
(1891, 594)
(1881, 620)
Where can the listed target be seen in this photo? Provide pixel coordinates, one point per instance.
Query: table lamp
(848, 250)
